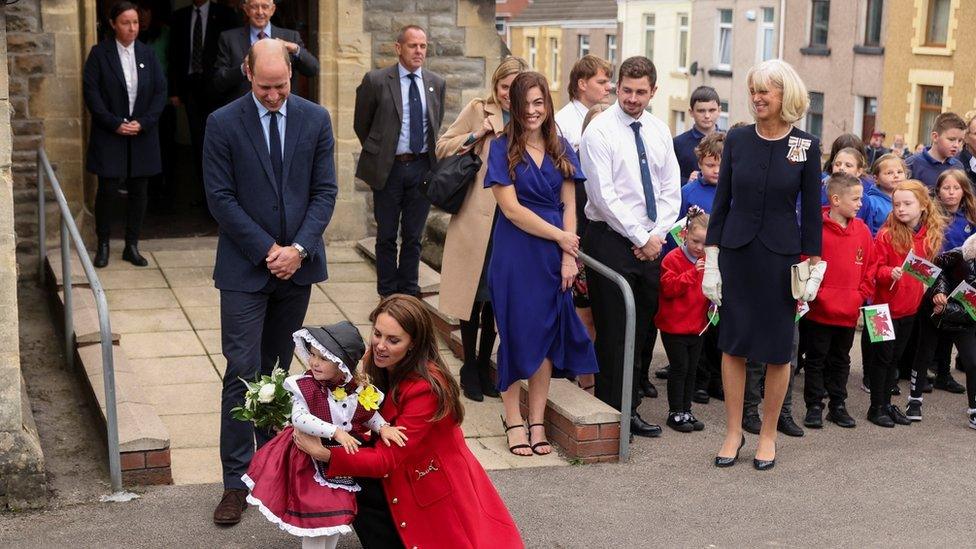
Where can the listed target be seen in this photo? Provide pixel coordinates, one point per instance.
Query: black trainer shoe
(839, 416)
(814, 418)
(648, 389)
(896, 415)
(663, 373)
(914, 410)
(948, 384)
(788, 427)
(972, 419)
(751, 423)
(676, 421)
(700, 396)
(896, 390)
(878, 416)
(694, 421)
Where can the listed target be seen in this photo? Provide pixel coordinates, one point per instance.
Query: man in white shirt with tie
(633, 191)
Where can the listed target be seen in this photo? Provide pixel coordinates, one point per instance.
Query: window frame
(924, 133)
(814, 26)
(554, 61)
(684, 41)
(930, 12)
(764, 27)
(650, 29)
(582, 45)
(720, 27)
(612, 53)
(531, 51)
(873, 21)
(815, 115)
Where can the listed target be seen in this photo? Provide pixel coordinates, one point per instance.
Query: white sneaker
(865, 388)
(972, 418)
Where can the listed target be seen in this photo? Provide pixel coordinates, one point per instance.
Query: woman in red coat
(434, 489)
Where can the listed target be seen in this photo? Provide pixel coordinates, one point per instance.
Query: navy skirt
(757, 304)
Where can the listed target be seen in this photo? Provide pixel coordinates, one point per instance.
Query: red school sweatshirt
(851, 268)
(904, 298)
(682, 307)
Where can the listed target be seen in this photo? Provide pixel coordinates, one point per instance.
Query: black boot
(131, 254)
(485, 347)
(470, 382)
(101, 254)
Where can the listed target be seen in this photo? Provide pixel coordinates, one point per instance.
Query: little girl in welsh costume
(329, 401)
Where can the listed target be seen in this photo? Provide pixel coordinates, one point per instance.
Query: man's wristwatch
(302, 252)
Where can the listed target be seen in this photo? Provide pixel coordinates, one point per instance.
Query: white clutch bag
(799, 274)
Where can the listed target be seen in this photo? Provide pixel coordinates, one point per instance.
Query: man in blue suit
(271, 185)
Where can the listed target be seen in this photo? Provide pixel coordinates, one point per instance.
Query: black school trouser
(644, 278)
(709, 375)
(828, 362)
(883, 369)
(683, 352)
(929, 339)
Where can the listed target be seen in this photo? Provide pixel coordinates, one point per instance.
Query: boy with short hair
(827, 330)
(705, 111)
(701, 191)
(948, 133)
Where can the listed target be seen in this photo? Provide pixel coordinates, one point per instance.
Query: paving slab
(342, 292)
(178, 277)
(149, 345)
(482, 419)
(357, 311)
(193, 430)
(174, 370)
(342, 253)
(499, 447)
(149, 298)
(186, 398)
(316, 295)
(185, 258)
(140, 428)
(210, 340)
(132, 279)
(219, 363)
(129, 321)
(204, 318)
(197, 296)
(196, 466)
(428, 279)
(115, 261)
(319, 314)
(490, 460)
(353, 272)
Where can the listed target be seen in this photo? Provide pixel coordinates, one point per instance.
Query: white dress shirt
(570, 119)
(263, 113)
(403, 143)
(615, 195)
(127, 56)
(342, 412)
(204, 13)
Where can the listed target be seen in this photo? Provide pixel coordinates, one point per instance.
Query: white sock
(320, 542)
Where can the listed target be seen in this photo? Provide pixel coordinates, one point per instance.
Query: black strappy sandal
(517, 446)
(540, 443)
(587, 388)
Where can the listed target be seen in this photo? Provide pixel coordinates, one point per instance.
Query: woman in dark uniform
(766, 166)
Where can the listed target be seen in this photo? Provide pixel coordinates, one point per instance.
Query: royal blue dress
(536, 319)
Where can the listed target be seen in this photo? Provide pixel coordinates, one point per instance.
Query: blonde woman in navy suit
(125, 92)
(766, 166)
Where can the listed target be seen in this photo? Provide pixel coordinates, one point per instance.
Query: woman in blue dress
(533, 173)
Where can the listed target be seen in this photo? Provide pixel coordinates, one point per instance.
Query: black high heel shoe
(730, 461)
(763, 464)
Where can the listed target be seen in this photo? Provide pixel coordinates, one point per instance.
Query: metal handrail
(69, 233)
(630, 324)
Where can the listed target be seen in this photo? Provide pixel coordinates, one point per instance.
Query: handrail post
(41, 222)
(69, 321)
(108, 375)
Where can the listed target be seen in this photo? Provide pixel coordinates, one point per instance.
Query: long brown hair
(902, 236)
(968, 203)
(517, 134)
(424, 360)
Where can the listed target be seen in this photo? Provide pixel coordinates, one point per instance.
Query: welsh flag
(965, 294)
(802, 308)
(677, 231)
(877, 321)
(925, 271)
(713, 314)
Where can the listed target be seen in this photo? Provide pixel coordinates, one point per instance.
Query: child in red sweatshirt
(827, 330)
(682, 318)
(917, 224)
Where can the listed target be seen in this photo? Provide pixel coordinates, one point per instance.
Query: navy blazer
(108, 102)
(243, 196)
(757, 195)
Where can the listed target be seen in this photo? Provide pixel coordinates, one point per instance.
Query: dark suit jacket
(230, 83)
(108, 102)
(219, 19)
(379, 115)
(243, 196)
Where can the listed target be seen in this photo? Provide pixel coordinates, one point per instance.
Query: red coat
(682, 307)
(438, 493)
(903, 300)
(851, 269)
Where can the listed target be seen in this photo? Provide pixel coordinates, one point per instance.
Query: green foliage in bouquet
(267, 404)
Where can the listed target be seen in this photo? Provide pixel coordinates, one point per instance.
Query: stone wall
(22, 478)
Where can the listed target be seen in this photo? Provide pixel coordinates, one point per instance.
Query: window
(767, 34)
(500, 25)
(531, 51)
(649, 21)
(929, 108)
(683, 35)
(723, 117)
(554, 58)
(815, 114)
(678, 121)
(937, 27)
(583, 43)
(819, 19)
(723, 57)
(612, 53)
(869, 115)
(872, 23)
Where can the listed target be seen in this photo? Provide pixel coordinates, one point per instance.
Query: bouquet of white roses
(267, 404)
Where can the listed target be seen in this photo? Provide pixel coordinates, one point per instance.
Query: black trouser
(401, 208)
(756, 380)
(929, 338)
(709, 375)
(644, 278)
(883, 370)
(683, 352)
(135, 209)
(199, 104)
(477, 357)
(943, 357)
(374, 522)
(827, 364)
(906, 361)
(647, 355)
(256, 330)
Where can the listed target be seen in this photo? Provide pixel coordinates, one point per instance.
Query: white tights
(320, 542)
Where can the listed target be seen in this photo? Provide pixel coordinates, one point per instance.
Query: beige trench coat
(470, 229)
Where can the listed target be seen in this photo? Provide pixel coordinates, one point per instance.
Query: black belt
(407, 157)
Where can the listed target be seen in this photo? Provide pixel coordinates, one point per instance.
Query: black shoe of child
(896, 415)
(717, 393)
(663, 373)
(896, 390)
(839, 416)
(914, 410)
(972, 418)
(694, 421)
(788, 427)
(949, 385)
(751, 423)
(927, 385)
(677, 421)
(648, 388)
(814, 418)
(700, 396)
(878, 416)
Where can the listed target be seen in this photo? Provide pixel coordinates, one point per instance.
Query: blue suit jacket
(243, 196)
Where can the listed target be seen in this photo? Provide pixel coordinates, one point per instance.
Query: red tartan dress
(286, 484)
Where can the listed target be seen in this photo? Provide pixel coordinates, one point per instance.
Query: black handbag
(448, 182)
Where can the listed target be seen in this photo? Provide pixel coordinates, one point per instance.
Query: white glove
(813, 283)
(712, 279)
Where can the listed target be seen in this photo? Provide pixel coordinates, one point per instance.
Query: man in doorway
(705, 110)
(589, 84)
(230, 80)
(633, 192)
(272, 203)
(398, 115)
(876, 148)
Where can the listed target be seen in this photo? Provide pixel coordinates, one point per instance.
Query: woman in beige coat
(464, 288)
